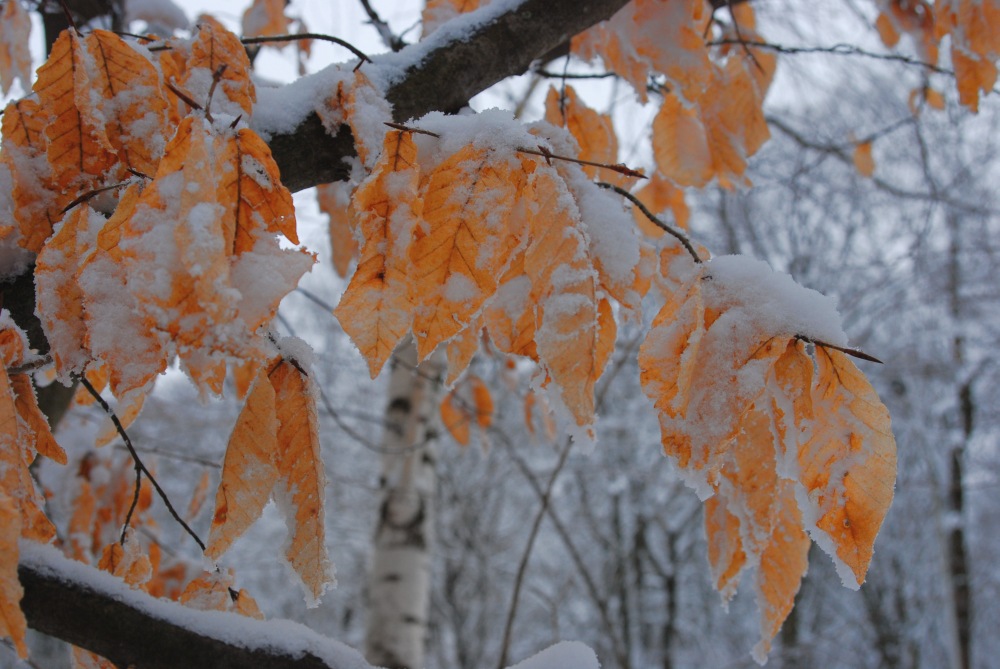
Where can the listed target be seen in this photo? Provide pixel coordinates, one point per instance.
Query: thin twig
(522, 566)
(568, 75)
(621, 168)
(300, 36)
(30, 365)
(188, 100)
(139, 466)
(856, 353)
(312, 297)
(391, 40)
(836, 50)
(669, 229)
(94, 193)
(216, 78)
(406, 128)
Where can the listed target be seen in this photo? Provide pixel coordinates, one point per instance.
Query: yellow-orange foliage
(376, 309)
(274, 450)
(15, 56)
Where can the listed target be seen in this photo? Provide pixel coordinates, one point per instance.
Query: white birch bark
(400, 578)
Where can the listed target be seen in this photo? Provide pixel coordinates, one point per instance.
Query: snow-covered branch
(442, 73)
(97, 611)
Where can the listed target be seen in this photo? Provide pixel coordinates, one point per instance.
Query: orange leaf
(592, 131)
(251, 192)
(438, 12)
(12, 622)
(198, 497)
(456, 418)
(126, 561)
(249, 472)
(461, 349)
(213, 47)
(15, 56)
(848, 465)
(468, 198)
(482, 401)
(17, 452)
(300, 470)
(27, 408)
(214, 591)
(376, 308)
(133, 123)
(36, 209)
(658, 195)
(782, 566)
(59, 299)
(78, 149)
(680, 144)
(334, 200)
(265, 17)
(863, 160)
(725, 548)
(561, 270)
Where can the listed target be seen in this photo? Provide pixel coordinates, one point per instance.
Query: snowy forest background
(911, 257)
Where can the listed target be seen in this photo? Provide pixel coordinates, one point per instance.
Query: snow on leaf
(302, 481)
(460, 254)
(127, 561)
(132, 100)
(334, 201)
(564, 286)
(252, 192)
(215, 591)
(649, 36)
(15, 56)
(36, 423)
(438, 12)
(376, 309)
(36, 209)
(12, 622)
(17, 451)
(59, 299)
(249, 472)
(592, 131)
(78, 147)
(213, 47)
(848, 465)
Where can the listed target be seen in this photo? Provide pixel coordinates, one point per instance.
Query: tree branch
(443, 77)
(96, 611)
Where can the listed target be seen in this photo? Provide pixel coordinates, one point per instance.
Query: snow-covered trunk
(400, 578)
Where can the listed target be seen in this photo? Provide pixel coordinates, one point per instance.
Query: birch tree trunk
(400, 578)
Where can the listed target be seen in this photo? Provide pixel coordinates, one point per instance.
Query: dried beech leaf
(12, 623)
(15, 56)
(249, 472)
(300, 472)
(376, 309)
